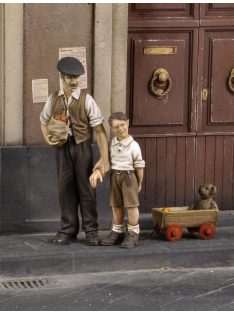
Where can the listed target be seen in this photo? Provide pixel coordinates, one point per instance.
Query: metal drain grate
(27, 284)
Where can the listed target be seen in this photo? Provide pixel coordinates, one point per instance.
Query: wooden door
(187, 135)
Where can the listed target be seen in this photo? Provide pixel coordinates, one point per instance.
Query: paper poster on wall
(80, 54)
(39, 90)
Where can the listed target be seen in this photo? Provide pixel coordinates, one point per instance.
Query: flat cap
(70, 66)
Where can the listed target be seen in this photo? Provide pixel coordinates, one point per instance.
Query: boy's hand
(93, 179)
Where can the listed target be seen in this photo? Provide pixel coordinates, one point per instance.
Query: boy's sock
(118, 228)
(135, 228)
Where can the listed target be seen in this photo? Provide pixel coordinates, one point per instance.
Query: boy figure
(126, 181)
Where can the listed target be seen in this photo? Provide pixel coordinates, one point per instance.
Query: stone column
(119, 58)
(11, 106)
(103, 58)
(2, 73)
(110, 57)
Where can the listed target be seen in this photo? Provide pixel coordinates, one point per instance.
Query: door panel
(169, 173)
(163, 10)
(217, 110)
(177, 166)
(217, 10)
(174, 51)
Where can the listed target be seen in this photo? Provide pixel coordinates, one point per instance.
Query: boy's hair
(117, 116)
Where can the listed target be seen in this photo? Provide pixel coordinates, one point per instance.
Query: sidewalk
(32, 255)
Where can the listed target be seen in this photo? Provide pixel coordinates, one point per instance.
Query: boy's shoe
(130, 240)
(113, 238)
(92, 238)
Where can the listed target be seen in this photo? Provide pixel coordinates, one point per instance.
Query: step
(33, 255)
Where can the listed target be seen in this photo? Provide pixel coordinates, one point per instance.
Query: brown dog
(207, 193)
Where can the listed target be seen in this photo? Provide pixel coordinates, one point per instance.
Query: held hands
(102, 165)
(99, 170)
(93, 179)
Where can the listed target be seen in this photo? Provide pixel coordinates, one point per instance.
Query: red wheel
(174, 232)
(193, 230)
(207, 231)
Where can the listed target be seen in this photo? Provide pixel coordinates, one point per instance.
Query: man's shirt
(92, 110)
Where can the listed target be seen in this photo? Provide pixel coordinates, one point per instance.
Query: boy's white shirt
(125, 154)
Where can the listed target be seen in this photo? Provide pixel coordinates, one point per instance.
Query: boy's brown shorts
(123, 194)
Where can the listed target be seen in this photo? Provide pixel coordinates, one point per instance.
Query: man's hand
(93, 179)
(102, 165)
(52, 143)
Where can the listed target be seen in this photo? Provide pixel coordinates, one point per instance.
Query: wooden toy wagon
(171, 221)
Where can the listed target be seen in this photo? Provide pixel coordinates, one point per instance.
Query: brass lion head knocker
(230, 82)
(160, 83)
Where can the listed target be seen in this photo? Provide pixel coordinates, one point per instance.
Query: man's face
(120, 128)
(70, 83)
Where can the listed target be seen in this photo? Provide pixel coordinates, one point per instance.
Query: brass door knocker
(160, 83)
(231, 81)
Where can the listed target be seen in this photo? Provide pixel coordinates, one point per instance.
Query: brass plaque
(160, 50)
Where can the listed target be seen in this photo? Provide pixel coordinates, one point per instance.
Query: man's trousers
(74, 166)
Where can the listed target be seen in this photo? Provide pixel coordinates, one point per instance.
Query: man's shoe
(130, 240)
(63, 239)
(92, 238)
(113, 238)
